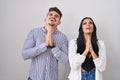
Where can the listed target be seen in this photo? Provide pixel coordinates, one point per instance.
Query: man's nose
(53, 16)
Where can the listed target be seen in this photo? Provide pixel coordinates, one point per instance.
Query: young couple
(45, 46)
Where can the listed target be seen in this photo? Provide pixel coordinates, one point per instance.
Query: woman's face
(87, 26)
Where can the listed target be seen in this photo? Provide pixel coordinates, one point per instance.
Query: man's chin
(52, 25)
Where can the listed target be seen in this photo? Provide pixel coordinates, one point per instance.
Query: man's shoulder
(36, 29)
(61, 33)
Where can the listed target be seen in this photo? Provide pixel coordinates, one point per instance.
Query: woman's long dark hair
(81, 42)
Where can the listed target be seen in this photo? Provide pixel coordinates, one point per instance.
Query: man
(46, 46)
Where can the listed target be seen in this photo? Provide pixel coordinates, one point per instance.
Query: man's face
(52, 19)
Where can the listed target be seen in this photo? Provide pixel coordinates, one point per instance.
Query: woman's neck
(87, 36)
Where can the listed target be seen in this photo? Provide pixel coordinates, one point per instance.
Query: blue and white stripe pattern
(44, 64)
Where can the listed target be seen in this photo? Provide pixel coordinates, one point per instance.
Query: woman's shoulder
(101, 42)
(73, 40)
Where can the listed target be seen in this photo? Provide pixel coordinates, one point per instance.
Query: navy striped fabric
(44, 64)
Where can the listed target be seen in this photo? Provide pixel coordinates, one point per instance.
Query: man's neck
(50, 29)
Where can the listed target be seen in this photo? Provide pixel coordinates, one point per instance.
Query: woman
(87, 54)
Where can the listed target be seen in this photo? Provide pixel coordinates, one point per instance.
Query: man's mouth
(52, 25)
(52, 19)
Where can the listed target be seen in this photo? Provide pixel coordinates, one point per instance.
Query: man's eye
(50, 14)
(56, 16)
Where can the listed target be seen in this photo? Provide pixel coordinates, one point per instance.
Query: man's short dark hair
(56, 10)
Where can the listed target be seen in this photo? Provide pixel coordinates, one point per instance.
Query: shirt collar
(43, 28)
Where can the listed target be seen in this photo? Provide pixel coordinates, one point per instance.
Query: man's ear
(59, 23)
(45, 19)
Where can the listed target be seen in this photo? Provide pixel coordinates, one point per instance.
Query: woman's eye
(84, 23)
(91, 23)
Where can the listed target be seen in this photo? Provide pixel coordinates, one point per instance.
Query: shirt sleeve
(100, 62)
(75, 58)
(30, 50)
(61, 54)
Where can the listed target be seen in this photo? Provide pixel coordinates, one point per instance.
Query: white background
(18, 17)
